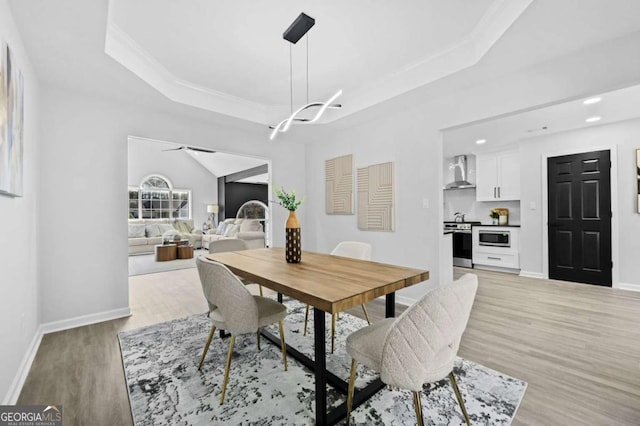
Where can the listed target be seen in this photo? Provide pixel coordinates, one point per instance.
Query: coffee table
(166, 252)
(185, 252)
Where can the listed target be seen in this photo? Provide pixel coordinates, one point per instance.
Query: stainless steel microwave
(494, 238)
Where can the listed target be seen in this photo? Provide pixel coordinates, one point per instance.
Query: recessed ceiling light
(592, 101)
(481, 141)
(592, 119)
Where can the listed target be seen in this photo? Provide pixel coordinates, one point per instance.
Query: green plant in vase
(494, 215)
(293, 250)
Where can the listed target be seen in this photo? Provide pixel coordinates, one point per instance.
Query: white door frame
(615, 255)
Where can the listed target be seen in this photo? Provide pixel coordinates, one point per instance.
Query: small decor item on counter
(502, 216)
(494, 215)
(177, 237)
(293, 249)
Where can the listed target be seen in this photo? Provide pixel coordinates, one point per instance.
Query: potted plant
(293, 250)
(494, 215)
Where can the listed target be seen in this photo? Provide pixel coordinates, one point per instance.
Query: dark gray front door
(580, 218)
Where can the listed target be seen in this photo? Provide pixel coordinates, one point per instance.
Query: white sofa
(145, 234)
(249, 230)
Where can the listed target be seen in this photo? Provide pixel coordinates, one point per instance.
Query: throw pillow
(179, 225)
(220, 228)
(250, 226)
(231, 231)
(164, 227)
(153, 231)
(184, 226)
(136, 231)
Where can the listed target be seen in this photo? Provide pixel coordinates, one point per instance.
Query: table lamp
(212, 209)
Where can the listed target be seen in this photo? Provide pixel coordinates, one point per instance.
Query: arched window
(156, 198)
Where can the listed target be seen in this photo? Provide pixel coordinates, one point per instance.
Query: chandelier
(300, 26)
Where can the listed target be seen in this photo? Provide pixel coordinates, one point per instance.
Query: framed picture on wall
(11, 124)
(638, 179)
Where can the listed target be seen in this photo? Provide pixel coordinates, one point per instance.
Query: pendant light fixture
(300, 26)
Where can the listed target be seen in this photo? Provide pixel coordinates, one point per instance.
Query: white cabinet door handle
(499, 195)
(494, 258)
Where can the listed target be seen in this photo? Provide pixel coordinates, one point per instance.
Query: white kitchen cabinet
(498, 176)
(498, 256)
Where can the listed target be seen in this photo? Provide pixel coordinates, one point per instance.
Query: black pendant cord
(307, 68)
(291, 75)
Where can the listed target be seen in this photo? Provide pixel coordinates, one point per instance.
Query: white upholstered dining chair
(231, 244)
(354, 250)
(418, 347)
(234, 309)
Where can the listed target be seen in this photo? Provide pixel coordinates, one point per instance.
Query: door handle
(499, 196)
(494, 258)
(494, 192)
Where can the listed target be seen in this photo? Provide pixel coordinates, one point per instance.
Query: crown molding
(124, 49)
(465, 53)
(449, 60)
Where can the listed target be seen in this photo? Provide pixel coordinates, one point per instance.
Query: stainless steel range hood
(459, 166)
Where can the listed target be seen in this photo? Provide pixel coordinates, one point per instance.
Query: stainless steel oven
(494, 238)
(462, 242)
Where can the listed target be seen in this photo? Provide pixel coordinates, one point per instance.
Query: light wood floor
(577, 346)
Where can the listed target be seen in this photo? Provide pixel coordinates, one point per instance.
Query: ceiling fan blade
(191, 148)
(209, 151)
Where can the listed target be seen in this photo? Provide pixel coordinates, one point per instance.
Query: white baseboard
(538, 275)
(66, 324)
(21, 375)
(626, 286)
(403, 300)
(11, 398)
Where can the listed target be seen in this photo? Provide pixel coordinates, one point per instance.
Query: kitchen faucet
(459, 217)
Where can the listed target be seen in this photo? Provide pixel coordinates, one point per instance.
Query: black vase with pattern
(293, 248)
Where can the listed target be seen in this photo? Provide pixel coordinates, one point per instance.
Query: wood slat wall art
(339, 185)
(376, 197)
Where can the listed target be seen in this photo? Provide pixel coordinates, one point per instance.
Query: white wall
(85, 147)
(626, 137)
(406, 130)
(146, 158)
(19, 303)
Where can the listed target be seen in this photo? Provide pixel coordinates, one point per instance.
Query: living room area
(183, 200)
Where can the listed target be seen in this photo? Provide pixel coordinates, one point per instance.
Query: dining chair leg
(206, 347)
(306, 320)
(232, 341)
(454, 385)
(260, 287)
(258, 336)
(418, 405)
(283, 345)
(366, 314)
(352, 387)
(333, 331)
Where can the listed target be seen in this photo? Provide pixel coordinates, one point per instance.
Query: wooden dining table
(330, 284)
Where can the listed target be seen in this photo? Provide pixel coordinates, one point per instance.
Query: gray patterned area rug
(165, 386)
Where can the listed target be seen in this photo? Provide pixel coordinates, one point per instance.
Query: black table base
(324, 377)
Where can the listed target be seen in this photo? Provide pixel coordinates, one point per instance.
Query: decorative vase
(494, 221)
(503, 219)
(293, 250)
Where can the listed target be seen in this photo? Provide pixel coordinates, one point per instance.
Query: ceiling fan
(191, 148)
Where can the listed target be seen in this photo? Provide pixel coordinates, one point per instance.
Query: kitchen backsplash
(464, 201)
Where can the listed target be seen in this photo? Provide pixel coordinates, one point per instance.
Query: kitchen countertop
(500, 226)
